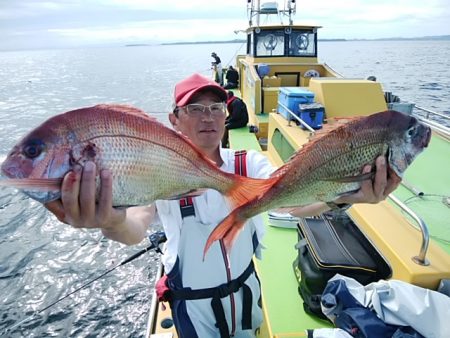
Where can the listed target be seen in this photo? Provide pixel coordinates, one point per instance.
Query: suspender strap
(240, 162)
(219, 314)
(247, 301)
(221, 291)
(187, 207)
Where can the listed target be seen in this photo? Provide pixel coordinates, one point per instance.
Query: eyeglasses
(197, 109)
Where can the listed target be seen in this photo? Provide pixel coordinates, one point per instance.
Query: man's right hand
(78, 206)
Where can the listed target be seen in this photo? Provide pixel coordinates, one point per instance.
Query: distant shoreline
(422, 38)
(241, 41)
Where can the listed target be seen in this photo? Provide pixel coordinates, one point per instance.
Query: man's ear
(173, 120)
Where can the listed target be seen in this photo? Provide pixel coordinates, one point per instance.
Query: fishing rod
(156, 239)
(234, 56)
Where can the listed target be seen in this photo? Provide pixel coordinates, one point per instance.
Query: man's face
(204, 130)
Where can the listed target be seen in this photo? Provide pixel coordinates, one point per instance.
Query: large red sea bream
(331, 165)
(148, 160)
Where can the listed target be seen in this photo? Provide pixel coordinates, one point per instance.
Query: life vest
(220, 291)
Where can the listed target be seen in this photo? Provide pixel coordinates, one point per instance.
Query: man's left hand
(377, 189)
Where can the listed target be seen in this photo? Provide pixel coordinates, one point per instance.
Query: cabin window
(302, 43)
(270, 43)
(282, 146)
(287, 42)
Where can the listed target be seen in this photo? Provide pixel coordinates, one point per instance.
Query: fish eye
(33, 148)
(411, 131)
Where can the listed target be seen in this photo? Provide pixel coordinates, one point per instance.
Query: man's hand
(78, 206)
(376, 190)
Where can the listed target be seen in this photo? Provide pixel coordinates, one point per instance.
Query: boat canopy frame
(255, 9)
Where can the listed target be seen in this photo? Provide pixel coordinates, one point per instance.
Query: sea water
(41, 259)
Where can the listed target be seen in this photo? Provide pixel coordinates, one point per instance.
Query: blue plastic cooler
(292, 97)
(312, 114)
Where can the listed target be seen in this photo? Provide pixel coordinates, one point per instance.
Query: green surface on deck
(430, 174)
(241, 139)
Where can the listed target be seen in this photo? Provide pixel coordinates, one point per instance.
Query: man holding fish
(217, 294)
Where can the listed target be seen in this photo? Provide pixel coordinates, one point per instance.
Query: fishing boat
(409, 231)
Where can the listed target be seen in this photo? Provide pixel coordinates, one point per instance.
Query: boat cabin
(277, 56)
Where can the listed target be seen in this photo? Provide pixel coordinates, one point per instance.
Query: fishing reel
(156, 239)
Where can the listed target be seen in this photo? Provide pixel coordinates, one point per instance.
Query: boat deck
(240, 140)
(432, 183)
(280, 286)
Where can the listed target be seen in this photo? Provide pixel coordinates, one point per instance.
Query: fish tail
(246, 189)
(227, 230)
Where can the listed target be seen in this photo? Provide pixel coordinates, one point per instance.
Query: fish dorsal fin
(332, 124)
(124, 108)
(191, 193)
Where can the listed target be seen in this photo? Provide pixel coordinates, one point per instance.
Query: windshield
(283, 42)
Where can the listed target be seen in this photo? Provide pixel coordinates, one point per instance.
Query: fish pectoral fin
(347, 193)
(190, 193)
(349, 179)
(43, 184)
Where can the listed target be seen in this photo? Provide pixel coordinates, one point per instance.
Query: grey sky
(40, 24)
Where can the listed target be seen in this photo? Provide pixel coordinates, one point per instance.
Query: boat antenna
(156, 239)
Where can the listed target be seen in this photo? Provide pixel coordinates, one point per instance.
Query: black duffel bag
(328, 245)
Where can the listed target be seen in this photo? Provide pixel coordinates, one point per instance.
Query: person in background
(217, 64)
(237, 116)
(199, 114)
(232, 78)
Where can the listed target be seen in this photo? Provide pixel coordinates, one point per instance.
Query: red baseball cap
(185, 89)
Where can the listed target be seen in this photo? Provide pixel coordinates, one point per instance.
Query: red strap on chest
(185, 201)
(240, 168)
(240, 162)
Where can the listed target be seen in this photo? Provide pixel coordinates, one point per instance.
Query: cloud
(39, 24)
(150, 31)
(377, 18)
